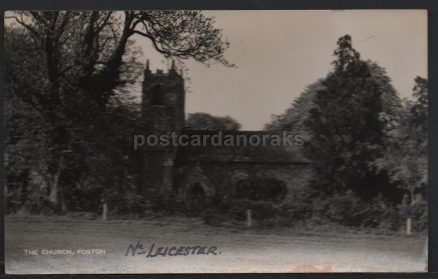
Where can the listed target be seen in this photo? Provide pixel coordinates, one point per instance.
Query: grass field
(239, 249)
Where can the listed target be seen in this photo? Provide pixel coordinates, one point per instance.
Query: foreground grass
(297, 249)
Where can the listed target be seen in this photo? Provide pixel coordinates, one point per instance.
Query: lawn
(96, 246)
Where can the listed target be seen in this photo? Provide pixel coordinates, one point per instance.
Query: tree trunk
(411, 192)
(54, 187)
(63, 204)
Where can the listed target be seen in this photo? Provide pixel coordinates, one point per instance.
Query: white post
(408, 226)
(104, 211)
(248, 218)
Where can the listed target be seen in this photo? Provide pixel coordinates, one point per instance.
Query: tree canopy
(67, 75)
(205, 121)
(348, 124)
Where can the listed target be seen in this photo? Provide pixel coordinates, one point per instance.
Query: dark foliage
(205, 121)
(69, 120)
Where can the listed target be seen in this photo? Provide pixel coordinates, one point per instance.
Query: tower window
(157, 97)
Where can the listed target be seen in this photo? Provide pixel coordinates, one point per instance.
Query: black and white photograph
(215, 141)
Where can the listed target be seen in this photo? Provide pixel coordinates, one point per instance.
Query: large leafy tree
(205, 121)
(73, 66)
(406, 155)
(298, 113)
(351, 112)
(27, 147)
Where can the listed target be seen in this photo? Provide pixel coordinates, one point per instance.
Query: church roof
(244, 153)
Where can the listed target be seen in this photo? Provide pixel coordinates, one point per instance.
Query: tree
(419, 109)
(348, 123)
(81, 60)
(27, 149)
(205, 121)
(406, 155)
(297, 114)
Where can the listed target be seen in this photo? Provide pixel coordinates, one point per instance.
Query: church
(274, 173)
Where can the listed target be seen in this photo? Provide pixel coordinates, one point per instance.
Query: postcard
(226, 141)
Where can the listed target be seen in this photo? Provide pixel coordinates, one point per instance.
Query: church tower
(163, 112)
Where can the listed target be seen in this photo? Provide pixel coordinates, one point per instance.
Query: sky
(279, 53)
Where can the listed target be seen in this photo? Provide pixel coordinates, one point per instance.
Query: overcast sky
(279, 53)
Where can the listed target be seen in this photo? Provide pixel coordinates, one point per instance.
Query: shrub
(379, 213)
(166, 201)
(350, 210)
(343, 208)
(259, 209)
(297, 210)
(130, 203)
(216, 217)
(419, 214)
(234, 211)
(40, 205)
